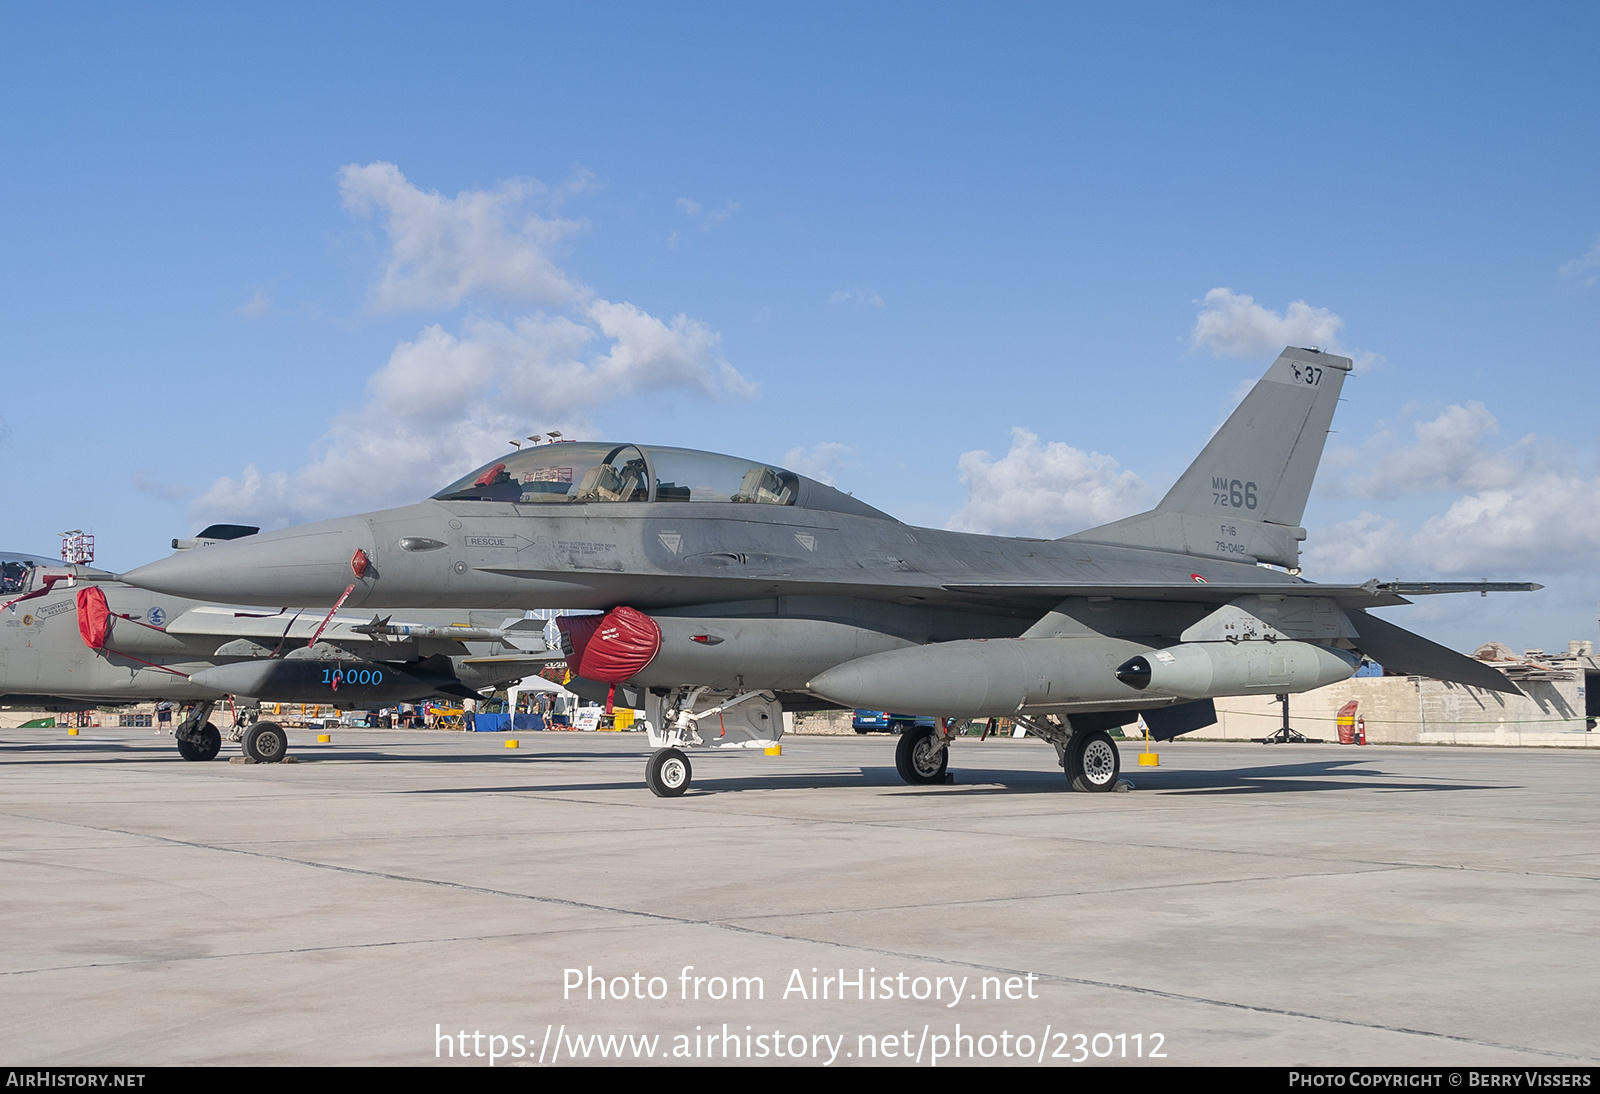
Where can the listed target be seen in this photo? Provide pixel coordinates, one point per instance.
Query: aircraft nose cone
(307, 565)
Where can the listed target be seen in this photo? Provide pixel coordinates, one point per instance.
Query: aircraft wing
(1395, 648)
(1400, 651)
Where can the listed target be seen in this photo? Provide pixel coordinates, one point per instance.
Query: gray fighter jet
(73, 638)
(734, 588)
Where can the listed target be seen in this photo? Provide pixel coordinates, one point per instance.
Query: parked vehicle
(883, 721)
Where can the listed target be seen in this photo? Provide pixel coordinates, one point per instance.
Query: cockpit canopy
(17, 571)
(586, 471)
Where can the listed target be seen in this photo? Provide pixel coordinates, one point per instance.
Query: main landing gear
(1089, 757)
(201, 744)
(1092, 762)
(923, 754)
(197, 738)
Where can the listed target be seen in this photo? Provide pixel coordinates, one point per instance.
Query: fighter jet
(734, 588)
(73, 637)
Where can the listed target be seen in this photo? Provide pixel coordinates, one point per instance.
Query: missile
(997, 677)
(524, 634)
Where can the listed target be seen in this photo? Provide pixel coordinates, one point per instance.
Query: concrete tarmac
(413, 898)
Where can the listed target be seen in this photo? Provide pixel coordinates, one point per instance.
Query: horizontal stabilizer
(1400, 651)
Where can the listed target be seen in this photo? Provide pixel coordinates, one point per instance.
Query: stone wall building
(1558, 709)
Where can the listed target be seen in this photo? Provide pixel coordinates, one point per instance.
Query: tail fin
(1244, 497)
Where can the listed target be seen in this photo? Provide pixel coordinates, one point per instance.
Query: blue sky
(986, 269)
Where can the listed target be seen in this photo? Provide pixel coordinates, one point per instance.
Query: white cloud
(860, 297)
(258, 305)
(1451, 452)
(1044, 489)
(1234, 324)
(706, 219)
(1587, 268)
(157, 489)
(447, 402)
(821, 461)
(1521, 508)
(478, 243)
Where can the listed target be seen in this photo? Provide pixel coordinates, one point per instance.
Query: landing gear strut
(700, 717)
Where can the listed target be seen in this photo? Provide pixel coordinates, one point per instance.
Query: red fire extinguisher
(1361, 731)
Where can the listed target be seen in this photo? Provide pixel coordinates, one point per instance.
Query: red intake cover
(94, 618)
(611, 648)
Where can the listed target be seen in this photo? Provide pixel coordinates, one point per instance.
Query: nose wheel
(668, 773)
(266, 743)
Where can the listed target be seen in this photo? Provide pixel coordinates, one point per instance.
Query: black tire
(266, 743)
(898, 728)
(863, 731)
(918, 757)
(1093, 763)
(209, 745)
(668, 773)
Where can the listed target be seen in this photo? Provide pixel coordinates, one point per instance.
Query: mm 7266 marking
(1233, 493)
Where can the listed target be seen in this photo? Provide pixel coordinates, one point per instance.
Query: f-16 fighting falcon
(733, 589)
(73, 637)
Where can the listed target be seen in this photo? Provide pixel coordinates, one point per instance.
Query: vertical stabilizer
(1244, 497)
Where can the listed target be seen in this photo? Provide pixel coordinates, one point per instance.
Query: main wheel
(209, 745)
(1093, 763)
(266, 743)
(668, 773)
(919, 758)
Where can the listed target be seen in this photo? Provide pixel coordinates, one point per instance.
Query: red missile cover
(611, 648)
(94, 617)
